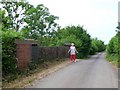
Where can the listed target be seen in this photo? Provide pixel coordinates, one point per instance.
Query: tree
(15, 14)
(93, 48)
(97, 46)
(40, 22)
(33, 22)
(77, 35)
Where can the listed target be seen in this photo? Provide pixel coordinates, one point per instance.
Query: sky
(98, 17)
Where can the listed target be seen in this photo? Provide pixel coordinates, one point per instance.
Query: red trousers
(72, 57)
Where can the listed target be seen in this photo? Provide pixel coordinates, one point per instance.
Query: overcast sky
(99, 17)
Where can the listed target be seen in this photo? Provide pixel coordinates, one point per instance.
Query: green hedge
(9, 52)
(113, 50)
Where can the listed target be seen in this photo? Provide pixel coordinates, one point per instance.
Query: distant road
(95, 72)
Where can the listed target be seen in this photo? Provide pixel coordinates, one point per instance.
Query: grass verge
(41, 71)
(113, 59)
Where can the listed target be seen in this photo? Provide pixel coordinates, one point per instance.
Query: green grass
(113, 59)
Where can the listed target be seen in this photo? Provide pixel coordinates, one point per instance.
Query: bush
(9, 52)
(113, 50)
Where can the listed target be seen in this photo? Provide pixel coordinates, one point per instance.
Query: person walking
(72, 52)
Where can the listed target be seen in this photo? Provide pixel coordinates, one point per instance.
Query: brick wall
(24, 52)
(48, 53)
(23, 55)
(30, 51)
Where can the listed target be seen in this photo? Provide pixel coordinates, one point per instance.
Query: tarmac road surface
(94, 72)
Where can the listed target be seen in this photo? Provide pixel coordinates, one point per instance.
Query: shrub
(113, 50)
(9, 52)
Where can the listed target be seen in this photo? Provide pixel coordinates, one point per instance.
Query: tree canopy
(34, 22)
(77, 35)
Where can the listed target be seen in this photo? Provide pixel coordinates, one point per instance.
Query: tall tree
(40, 22)
(15, 14)
(34, 22)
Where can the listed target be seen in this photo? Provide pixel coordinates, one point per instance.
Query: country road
(94, 72)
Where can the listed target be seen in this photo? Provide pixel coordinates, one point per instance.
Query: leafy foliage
(97, 46)
(22, 20)
(113, 49)
(34, 22)
(9, 52)
(14, 14)
(40, 22)
(77, 35)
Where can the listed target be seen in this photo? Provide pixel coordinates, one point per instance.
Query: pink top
(72, 50)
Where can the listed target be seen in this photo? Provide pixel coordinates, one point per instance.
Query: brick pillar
(23, 55)
(23, 52)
